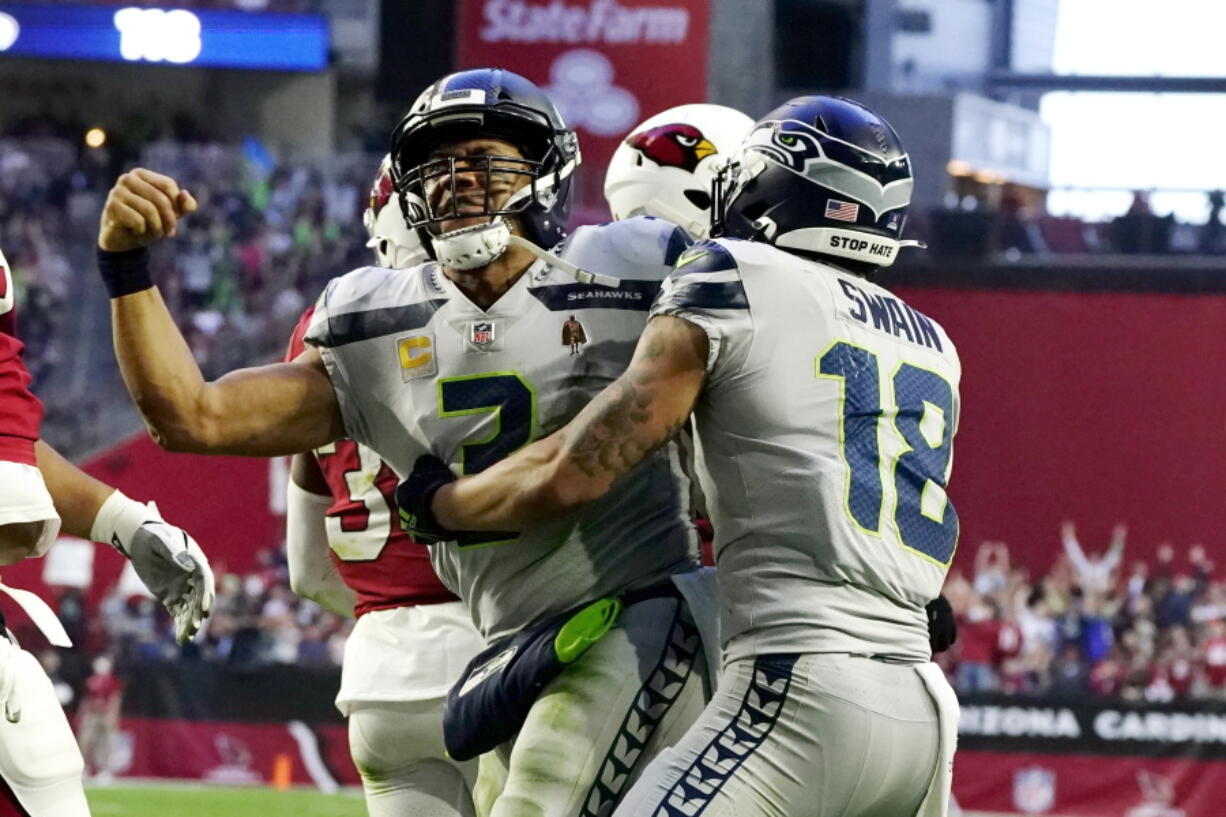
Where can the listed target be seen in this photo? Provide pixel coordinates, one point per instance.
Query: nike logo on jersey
(890, 315)
(689, 258)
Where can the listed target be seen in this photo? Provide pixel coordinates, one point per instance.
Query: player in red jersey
(40, 493)
(98, 718)
(413, 636)
(25, 506)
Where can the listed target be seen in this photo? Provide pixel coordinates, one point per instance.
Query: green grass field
(162, 800)
(210, 801)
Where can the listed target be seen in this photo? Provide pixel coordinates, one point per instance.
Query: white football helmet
(665, 167)
(395, 245)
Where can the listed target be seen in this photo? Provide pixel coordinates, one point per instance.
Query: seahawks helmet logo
(843, 168)
(792, 148)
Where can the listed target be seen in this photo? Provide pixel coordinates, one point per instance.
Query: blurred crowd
(267, 238)
(1094, 624)
(1015, 223)
(39, 189)
(256, 621)
(270, 233)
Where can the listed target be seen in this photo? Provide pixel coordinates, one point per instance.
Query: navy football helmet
(822, 176)
(486, 102)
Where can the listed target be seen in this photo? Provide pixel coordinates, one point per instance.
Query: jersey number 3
(512, 402)
(924, 415)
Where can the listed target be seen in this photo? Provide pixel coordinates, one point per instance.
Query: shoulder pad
(374, 287)
(639, 247)
(362, 279)
(373, 301)
(705, 256)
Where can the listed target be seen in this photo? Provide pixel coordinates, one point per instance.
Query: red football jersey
(373, 555)
(20, 411)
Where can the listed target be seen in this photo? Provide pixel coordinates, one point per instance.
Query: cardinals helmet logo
(674, 145)
(381, 190)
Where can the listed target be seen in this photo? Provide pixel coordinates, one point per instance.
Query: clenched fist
(142, 207)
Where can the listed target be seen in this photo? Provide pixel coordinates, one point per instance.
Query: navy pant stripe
(745, 733)
(660, 690)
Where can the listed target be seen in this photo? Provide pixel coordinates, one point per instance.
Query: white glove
(166, 558)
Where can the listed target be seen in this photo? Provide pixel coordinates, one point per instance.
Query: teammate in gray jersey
(824, 410)
(461, 358)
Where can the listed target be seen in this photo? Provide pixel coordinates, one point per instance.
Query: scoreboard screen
(201, 38)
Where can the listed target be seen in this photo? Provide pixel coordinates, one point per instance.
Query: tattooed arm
(631, 418)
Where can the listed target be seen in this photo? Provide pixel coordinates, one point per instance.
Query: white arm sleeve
(312, 573)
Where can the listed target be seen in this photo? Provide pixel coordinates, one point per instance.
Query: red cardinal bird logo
(675, 145)
(382, 189)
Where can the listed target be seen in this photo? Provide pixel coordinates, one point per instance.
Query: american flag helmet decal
(842, 210)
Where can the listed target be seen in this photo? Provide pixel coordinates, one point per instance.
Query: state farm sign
(601, 21)
(606, 64)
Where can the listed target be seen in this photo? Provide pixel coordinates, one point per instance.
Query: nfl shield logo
(481, 333)
(1034, 790)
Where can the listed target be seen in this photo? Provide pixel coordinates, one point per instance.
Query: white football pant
(397, 747)
(40, 763)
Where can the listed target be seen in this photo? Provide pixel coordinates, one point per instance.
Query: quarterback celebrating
(824, 411)
(595, 662)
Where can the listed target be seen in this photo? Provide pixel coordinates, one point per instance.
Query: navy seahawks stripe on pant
(596, 726)
(810, 735)
(760, 707)
(659, 691)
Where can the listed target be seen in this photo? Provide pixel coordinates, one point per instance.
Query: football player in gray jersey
(463, 358)
(824, 410)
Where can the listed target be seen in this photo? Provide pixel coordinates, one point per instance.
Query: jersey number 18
(923, 416)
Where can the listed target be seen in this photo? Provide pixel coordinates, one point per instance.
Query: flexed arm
(270, 410)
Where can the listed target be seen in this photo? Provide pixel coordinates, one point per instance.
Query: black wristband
(125, 272)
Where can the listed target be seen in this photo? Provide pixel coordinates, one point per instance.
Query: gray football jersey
(824, 442)
(417, 369)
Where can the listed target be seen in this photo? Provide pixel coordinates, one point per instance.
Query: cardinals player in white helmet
(395, 245)
(665, 167)
(348, 553)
